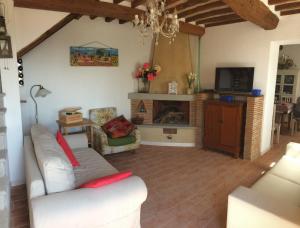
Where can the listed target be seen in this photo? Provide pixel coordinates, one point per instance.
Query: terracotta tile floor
(188, 188)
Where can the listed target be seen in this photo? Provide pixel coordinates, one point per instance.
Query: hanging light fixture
(157, 21)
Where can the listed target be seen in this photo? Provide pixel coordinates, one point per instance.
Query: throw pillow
(66, 148)
(99, 182)
(118, 127)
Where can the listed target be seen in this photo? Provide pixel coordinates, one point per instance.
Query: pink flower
(138, 74)
(146, 66)
(150, 77)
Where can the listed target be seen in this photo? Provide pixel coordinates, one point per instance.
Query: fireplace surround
(169, 120)
(191, 134)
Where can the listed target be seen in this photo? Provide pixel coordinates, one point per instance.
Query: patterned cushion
(118, 127)
(102, 115)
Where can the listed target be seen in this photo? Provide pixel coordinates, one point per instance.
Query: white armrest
(77, 140)
(293, 150)
(248, 208)
(89, 207)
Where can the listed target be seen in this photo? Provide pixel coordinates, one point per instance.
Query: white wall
(12, 102)
(245, 44)
(31, 23)
(88, 87)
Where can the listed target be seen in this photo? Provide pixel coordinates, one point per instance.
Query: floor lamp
(42, 92)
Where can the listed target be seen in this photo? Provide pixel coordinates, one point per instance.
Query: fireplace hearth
(171, 112)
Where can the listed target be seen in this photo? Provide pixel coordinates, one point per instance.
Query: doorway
(286, 110)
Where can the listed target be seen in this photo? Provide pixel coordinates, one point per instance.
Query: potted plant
(191, 77)
(145, 75)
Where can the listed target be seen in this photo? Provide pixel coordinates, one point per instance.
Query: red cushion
(102, 181)
(118, 127)
(68, 151)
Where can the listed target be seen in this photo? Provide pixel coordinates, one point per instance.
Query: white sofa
(52, 187)
(273, 201)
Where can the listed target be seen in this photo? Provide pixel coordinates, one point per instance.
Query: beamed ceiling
(195, 15)
(286, 7)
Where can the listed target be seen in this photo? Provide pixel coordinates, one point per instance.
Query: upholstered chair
(101, 141)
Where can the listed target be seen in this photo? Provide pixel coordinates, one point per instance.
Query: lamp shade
(42, 92)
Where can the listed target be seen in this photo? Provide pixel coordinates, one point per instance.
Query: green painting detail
(90, 56)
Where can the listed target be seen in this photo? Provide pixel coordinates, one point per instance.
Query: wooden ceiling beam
(99, 9)
(277, 2)
(171, 2)
(204, 7)
(288, 6)
(55, 28)
(118, 1)
(136, 3)
(109, 19)
(188, 4)
(254, 11)
(191, 29)
(122, 22)
(83, 7)
(289, 12)
(209, 14)
(218, 19)
(224, 22)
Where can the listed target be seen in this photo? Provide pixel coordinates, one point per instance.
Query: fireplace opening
(171, 112)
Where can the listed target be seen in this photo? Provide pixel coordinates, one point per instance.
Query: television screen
(235, 79)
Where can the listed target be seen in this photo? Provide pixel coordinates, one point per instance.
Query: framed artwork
(92, 56)
(172, 88)
(5, 47)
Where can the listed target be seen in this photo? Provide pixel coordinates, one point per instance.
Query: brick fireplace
(185, 120)
(168, 119)
(165, 110)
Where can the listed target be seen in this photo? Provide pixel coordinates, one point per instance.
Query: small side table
(84, 124)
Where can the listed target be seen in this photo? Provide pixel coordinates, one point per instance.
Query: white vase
(190, 91)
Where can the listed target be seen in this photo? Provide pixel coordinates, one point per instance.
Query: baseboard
(168, 144)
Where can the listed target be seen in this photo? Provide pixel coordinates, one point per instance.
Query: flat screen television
(234, 79)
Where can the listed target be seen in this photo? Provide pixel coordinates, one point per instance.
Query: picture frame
(93, 56)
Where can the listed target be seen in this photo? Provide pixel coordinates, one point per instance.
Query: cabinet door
(212, 125)
(230, 130)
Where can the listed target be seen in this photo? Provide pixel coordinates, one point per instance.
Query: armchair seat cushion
(121, 141)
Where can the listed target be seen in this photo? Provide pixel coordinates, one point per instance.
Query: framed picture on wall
(92, 56)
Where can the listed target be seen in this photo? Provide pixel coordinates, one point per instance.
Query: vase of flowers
(191, 77)
(145, 75)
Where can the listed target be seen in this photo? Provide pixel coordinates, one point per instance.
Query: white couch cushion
(38, 130)
(92, 166)
(287, 168)
(293, 150)
(55, 167)
(279, 188)
(34, 180)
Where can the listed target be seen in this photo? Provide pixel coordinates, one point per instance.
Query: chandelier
(157, 21)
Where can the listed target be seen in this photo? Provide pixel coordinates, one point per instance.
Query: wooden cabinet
(224, 126)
